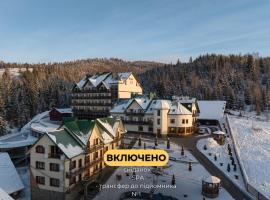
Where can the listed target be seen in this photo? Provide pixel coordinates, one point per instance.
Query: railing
(141, 122)
(91, 163)
(91, 97)
(139, 112)
(94, 148)
(54, 155)
(78, 171)
(119, 138)
(75, 172)
(91, 104)
(92, 91)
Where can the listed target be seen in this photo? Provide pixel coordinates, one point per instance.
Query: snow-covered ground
(14, 71)
(222, 156)
(24, 175)
(252, 137)
(187, 182)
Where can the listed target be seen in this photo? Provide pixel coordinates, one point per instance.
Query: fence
(250, 188)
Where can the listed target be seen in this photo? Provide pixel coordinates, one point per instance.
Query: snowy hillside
(252, 137)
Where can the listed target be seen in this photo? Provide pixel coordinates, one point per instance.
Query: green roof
(81, 128)
(66, 142)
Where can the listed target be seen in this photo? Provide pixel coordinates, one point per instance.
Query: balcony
(91, 104)
(118, 138)
(55, 155)
(195, 114)
(94, 90)
(94, 148)
(141, 122)
(93, 162)
(76, 172)
(135, 112)
(90, 97)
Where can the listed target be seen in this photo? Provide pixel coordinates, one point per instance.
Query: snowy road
(190, 144)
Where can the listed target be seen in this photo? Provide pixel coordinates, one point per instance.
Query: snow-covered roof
(68, 145)
(211, 110)
(106, 78)
(161, 104)
(17, 140)
(211, 179)
(44, 124)
(10, 180)
(184, 99)
(143, 101)
(4, 195)
(82, 129)
(98, 78)
(149, 105)
(178, 109)
(219, 133)
(124, 75)
(108, 127)
(121, 106)
(81, 83)
(64, 110)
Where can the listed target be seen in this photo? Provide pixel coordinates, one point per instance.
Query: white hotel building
(158, 116)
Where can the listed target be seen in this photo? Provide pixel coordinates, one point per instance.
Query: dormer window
(40, 149)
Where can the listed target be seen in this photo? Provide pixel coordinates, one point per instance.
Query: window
(172, 130)
(150, 129)
(87, 159)
(183, 121)
(95, 155)
(106, 149)
(40, 149)
(54, 167)
(140, 128)
(55, 152)
(72, 164)
(181, 130)
(72, 180)
(158, 121)
(40, 180)
(172, 121)
(40, 165)
(96, 141)
(158, 113)
(54, 182)
(80, 163)
(186, 121)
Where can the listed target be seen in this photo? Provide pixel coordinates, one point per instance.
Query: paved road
(190, 144)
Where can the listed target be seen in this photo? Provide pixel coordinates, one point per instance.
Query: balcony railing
(93, 162)
(91, 104)
(133, 112)
(94, 90)
(141, 122)
(91, 97)
(94, 148)
(118, 138)
(76, 172)
(55, 155)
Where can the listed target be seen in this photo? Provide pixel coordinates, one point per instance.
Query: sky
(156, 30)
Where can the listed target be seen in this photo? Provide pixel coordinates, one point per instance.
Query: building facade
(63, 161)
(158, 116)
(94, 96)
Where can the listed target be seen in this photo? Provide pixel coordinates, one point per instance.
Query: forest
(242, 80)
